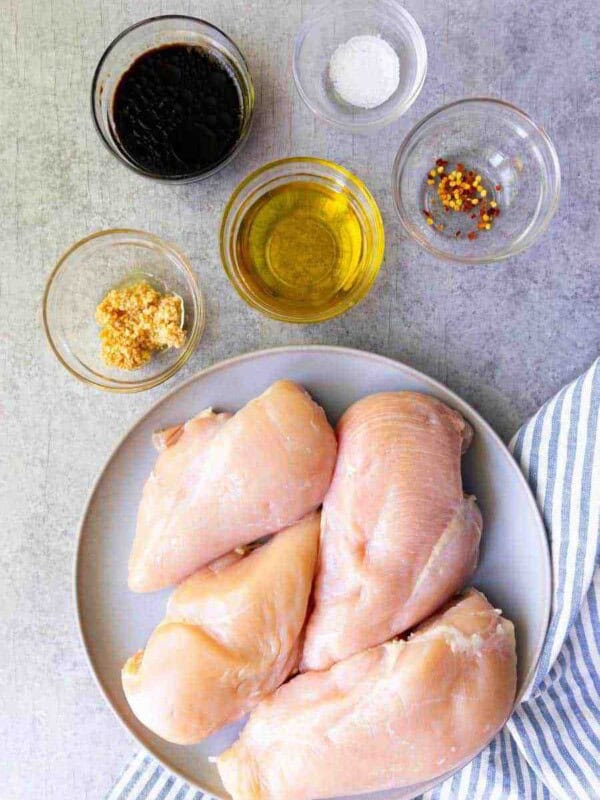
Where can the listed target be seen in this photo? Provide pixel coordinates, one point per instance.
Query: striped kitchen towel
(550, 747)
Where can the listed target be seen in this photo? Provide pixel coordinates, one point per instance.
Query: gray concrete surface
(504, 337)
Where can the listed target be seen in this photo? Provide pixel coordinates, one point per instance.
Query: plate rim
(309, 348)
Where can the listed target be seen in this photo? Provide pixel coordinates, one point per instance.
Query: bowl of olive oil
(302, 240)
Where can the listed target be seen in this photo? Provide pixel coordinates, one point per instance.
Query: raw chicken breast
(393, 716)
(398, 537)
(230, 637)
(223, 481)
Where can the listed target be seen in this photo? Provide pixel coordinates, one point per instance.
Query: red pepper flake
(498, 187)
(461, 190)
(472, 235)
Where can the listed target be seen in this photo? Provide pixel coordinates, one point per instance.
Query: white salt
(365, 71)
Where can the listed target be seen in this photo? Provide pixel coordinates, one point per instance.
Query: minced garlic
(136, 321)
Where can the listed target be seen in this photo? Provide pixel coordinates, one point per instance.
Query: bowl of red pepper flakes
(476, 181)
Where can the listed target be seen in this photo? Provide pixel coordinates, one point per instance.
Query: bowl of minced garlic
(123, 310)
(137, 321)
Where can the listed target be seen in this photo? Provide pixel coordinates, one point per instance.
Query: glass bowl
(337, 22)
(518, 165)
(81, 279)
(327, 177)
(147, 35)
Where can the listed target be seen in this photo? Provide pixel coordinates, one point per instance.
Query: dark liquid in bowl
(177, 111)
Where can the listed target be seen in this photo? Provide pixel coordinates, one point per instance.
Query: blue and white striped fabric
(550, 748)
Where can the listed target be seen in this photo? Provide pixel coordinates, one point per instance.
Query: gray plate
(514, 571)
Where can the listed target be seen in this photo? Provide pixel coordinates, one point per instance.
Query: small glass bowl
(80, 280)
(294, 170)
(317, 40)
(147, 35)
(519, 167)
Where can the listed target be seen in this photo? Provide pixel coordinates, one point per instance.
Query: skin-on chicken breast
(231, 636)
(393, 716)
(222, 481)
(398, 537)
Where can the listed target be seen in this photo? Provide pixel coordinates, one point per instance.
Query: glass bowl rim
(378, 227)
(195, 333)
(193, 176)
(398, 109)
(554, 182)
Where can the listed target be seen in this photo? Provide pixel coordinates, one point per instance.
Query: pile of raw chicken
(301, 630)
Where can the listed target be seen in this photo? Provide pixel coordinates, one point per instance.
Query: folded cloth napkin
(550, 747)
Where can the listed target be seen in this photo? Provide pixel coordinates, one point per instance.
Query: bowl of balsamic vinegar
(173, 99)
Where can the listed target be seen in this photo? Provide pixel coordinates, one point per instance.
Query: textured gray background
(504, 337)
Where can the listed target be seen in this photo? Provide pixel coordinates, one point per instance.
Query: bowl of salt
(360, 64)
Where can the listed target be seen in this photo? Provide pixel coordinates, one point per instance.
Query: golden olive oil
(301, 248)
